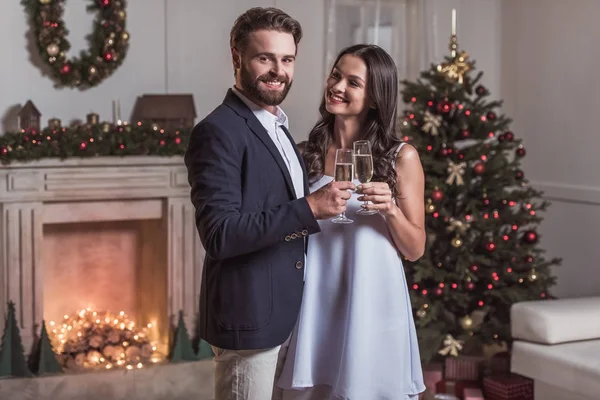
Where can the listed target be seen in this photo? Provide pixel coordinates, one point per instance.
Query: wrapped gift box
(508, 387)
(465, 368)
(456, 388)
(432, 374)
(499, 364)
(473, 394)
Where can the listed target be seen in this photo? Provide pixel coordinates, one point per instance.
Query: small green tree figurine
(204, 350)
(45, 361)
(182, 348)
(12, 357)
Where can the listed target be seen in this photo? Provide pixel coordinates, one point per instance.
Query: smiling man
(254, 212)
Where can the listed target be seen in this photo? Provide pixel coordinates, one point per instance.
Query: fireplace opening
(105, 299)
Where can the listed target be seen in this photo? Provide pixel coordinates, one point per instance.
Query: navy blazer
(252, 227)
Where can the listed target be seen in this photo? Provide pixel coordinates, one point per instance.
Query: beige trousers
(249, 374)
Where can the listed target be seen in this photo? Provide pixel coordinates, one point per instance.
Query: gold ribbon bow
(432, 123)
(451, 346)
(458, 226)
(456, 172)
(457, 68)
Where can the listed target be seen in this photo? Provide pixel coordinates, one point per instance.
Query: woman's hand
(380, 196)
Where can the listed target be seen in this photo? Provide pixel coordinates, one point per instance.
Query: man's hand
(330, 200)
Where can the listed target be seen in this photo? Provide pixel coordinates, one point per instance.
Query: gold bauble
(532, 276)
(466, 322)
(92, 70)
(122, 14)
(456, 242)
(125, 36)
(429, 207)
(105, 127)
(52, 49)
(45, 2)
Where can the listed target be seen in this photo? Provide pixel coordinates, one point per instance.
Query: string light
(102, 340)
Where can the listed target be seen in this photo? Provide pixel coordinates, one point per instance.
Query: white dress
(355, 331)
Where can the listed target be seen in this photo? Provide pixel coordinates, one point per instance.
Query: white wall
(549, 65)
(178, 46)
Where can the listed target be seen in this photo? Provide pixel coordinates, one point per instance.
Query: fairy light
(95, 339)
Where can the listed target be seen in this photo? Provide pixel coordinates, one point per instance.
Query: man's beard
(268, 97)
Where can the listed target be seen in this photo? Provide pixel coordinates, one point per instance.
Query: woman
(356, 337)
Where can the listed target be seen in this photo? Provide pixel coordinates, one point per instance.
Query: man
(254, 212)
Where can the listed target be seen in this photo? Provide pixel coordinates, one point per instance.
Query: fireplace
(109, 234)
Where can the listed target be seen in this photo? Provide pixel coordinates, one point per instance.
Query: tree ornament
(520, 151)
(481, 90)
(466, 323)
(437, 194)
(532, 277)
(108, 42)
(445, 106)
(528, 259)
(490, 246)
(509, 136)
(456, 172)
(456, 225)
(455, 70)
(530, 237)
(451, 346)
(429, 206)
(431, 123)
(456, 242)
(479, 168)
(519, 174)
(491, 115)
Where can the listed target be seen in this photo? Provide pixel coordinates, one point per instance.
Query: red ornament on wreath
(520, 151)
(530, 237)
(509, 136)
(479, 168)
(437, 195)
(519, 174)
(490, 246)
(465, 133)
(65, 69)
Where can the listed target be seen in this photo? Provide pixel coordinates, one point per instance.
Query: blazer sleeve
(215, 174)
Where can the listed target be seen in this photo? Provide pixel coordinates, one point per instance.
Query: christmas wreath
(108, 42)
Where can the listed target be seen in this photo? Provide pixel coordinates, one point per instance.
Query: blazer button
(299, 264)
(294, 236)
(288, 238)
(304, 232)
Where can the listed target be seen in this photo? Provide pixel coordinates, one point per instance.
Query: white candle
(114, 112)
(119, 113)
(454, 21)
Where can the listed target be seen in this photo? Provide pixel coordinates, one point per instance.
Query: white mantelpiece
(129, 188)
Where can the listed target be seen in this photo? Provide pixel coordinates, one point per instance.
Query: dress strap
(396, 153)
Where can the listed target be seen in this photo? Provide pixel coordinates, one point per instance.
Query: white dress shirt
(273, 123)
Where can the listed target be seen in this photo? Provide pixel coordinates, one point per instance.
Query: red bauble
(490, 246)
(104, 3)
(439, 292)
(470, 286)
(4, 151)
(491, 115)
(65, 69)
(437, 195)
(108, 56)
(474, 268)
(479, 168)
(530, 237)
(445, 106)
(501, 137)
(509, 136)
(480, 90)
(519, 174)
(465, 133)
(521, 152)
(83, 146)
(528, 259)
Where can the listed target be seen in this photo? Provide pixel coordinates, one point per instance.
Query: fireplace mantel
(52, 191)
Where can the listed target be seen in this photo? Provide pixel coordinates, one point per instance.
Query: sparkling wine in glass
(363, 168)
(344, 171)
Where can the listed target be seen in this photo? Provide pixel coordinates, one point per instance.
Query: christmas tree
(482, 252)
(204, 350)
(12, 357)
(44, 359)
(182, 348)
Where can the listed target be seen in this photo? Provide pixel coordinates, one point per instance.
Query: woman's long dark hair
(380, 125)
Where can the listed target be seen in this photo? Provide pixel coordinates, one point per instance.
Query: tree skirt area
(181, 381)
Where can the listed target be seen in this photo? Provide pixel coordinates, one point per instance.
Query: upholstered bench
(557, 344)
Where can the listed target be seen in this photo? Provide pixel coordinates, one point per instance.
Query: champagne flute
(363, 167)
(344, 171)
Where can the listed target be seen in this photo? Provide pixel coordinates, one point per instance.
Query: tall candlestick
(454, 21)
(114, 112)
(119, 121)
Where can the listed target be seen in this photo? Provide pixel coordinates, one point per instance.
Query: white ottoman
(557, 344)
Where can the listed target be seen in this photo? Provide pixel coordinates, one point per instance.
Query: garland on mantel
(104, 139)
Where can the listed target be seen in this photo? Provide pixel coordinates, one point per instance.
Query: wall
(178, 46)
(548, 72)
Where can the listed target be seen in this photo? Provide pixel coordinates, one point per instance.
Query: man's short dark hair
(258, 18)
